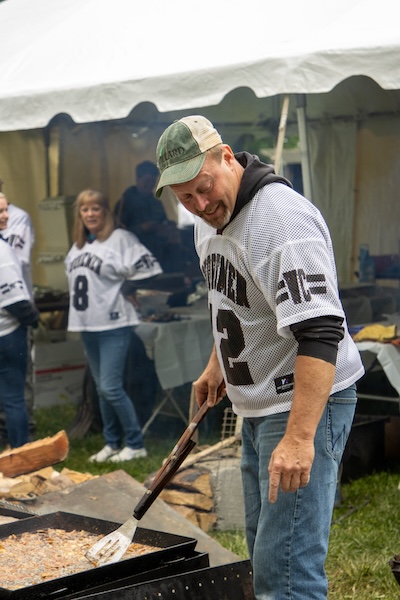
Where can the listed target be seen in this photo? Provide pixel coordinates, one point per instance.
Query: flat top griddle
(172, 548)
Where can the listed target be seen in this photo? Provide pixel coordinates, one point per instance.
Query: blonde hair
(215, 152)
(80, 233)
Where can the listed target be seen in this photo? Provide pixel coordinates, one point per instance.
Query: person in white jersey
(20, 235)
(103, 267)
(17, 313)
(282, 352)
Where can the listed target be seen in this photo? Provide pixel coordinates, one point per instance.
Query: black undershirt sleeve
(319, 337)
(25, 312)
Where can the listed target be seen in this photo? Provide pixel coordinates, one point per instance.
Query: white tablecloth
(180, 349)
(388, 356)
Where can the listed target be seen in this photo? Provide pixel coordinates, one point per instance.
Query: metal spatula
(113, 546)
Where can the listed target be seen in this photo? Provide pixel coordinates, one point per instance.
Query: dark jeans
(29, 394)
(13, 366)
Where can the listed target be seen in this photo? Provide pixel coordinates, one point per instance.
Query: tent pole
(46, 136)
(53, 150)
(281, 134)
(356, 205)
(304, 147)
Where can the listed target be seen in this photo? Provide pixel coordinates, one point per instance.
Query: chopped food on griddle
(34, 557)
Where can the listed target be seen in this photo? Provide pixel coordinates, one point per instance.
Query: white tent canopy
(118, 67)
(97, 59)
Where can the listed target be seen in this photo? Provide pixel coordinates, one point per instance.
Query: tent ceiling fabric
(95, 60)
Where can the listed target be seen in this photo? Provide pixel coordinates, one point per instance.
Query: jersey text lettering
(87, 260)
(295, 285)
(222, 276)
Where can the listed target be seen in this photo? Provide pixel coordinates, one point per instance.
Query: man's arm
(292, 459)
(210, 386)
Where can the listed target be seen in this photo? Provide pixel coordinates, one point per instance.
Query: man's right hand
(210, 386)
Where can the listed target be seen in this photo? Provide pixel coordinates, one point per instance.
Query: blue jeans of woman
(13, 365)
(106, 352)
(288, 540)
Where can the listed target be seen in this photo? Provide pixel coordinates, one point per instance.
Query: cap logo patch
(170, 154)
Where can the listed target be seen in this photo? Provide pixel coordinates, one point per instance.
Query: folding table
(180, 348)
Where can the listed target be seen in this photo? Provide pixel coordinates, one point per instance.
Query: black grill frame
(172, 548)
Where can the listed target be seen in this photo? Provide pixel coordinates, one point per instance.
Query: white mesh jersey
(20, 236)
(95, 275)
(12, 287)
(272, 266)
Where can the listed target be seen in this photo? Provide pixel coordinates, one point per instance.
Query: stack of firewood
(191, 492)
(26, 472)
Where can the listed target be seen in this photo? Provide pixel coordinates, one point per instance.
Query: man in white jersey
(20, 235)
(282, 350)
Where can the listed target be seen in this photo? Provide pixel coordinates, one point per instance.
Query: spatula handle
(191, 428)
(161, 480)
(171, 464)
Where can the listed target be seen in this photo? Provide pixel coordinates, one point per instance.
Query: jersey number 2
(80, 298)
(237, 373)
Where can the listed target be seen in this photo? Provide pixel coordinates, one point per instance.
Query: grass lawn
(365, 533)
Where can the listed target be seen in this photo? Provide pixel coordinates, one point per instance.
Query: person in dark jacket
(141, 213)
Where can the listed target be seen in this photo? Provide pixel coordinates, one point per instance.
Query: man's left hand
(290, 466)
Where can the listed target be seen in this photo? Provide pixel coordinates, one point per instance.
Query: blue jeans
(13, 365)
(288, 540)
(106, 352)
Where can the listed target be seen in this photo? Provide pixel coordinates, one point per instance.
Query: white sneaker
(128, 454)
(103, 454)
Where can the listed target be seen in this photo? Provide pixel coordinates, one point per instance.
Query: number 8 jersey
(95, 275)
(272, 266)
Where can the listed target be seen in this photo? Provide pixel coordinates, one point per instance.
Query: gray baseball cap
(181, 150)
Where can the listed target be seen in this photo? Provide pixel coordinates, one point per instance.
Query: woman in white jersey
(101, 267)
(16, 313)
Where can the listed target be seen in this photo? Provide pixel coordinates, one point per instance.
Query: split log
(39, 482)
(206, 520)
(76, 476)
(193, 500)
(34, 455)
(192, 481)
(189, 513)
(190, 493)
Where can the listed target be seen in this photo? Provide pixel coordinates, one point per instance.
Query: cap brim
(181, 172)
